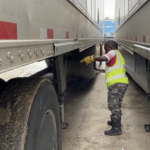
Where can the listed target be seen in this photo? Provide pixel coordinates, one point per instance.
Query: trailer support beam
(61, 65)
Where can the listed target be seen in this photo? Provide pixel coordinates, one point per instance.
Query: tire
(33, 117)
(2, 85)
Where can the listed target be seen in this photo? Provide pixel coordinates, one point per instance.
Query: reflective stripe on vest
(107, 80)
(115, 67)
(116, 77)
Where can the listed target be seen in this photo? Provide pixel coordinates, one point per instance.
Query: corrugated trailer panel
(121, 11)
(101, 9)
(125, 9)
(132, 4)
(89, 8)
(92, 8)
(83, 3)
(100, 14)
(133, 28)
(117, 13)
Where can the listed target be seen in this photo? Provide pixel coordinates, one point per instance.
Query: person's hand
(88, 60)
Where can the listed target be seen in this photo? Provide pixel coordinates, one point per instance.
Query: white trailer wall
(133, 34)
(125, 9)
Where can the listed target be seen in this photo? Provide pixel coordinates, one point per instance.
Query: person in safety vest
(116, 81)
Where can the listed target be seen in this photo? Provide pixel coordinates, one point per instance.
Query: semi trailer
(132, 33)
(61, 32)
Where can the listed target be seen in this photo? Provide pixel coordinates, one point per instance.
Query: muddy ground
(86, 112)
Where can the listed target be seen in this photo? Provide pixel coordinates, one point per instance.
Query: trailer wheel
(2, 84)
(29, 116)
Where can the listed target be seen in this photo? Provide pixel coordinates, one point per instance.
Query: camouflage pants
(116, 93)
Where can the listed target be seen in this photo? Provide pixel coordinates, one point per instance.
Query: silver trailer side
(61, 32)
(33, 19)
(132, 33)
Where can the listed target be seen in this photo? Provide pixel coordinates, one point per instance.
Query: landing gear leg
(61, 106)
(61, 66)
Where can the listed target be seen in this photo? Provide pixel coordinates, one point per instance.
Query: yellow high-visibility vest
(117, 72)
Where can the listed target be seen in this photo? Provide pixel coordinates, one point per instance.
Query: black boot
(110, 122)
(116, 127)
